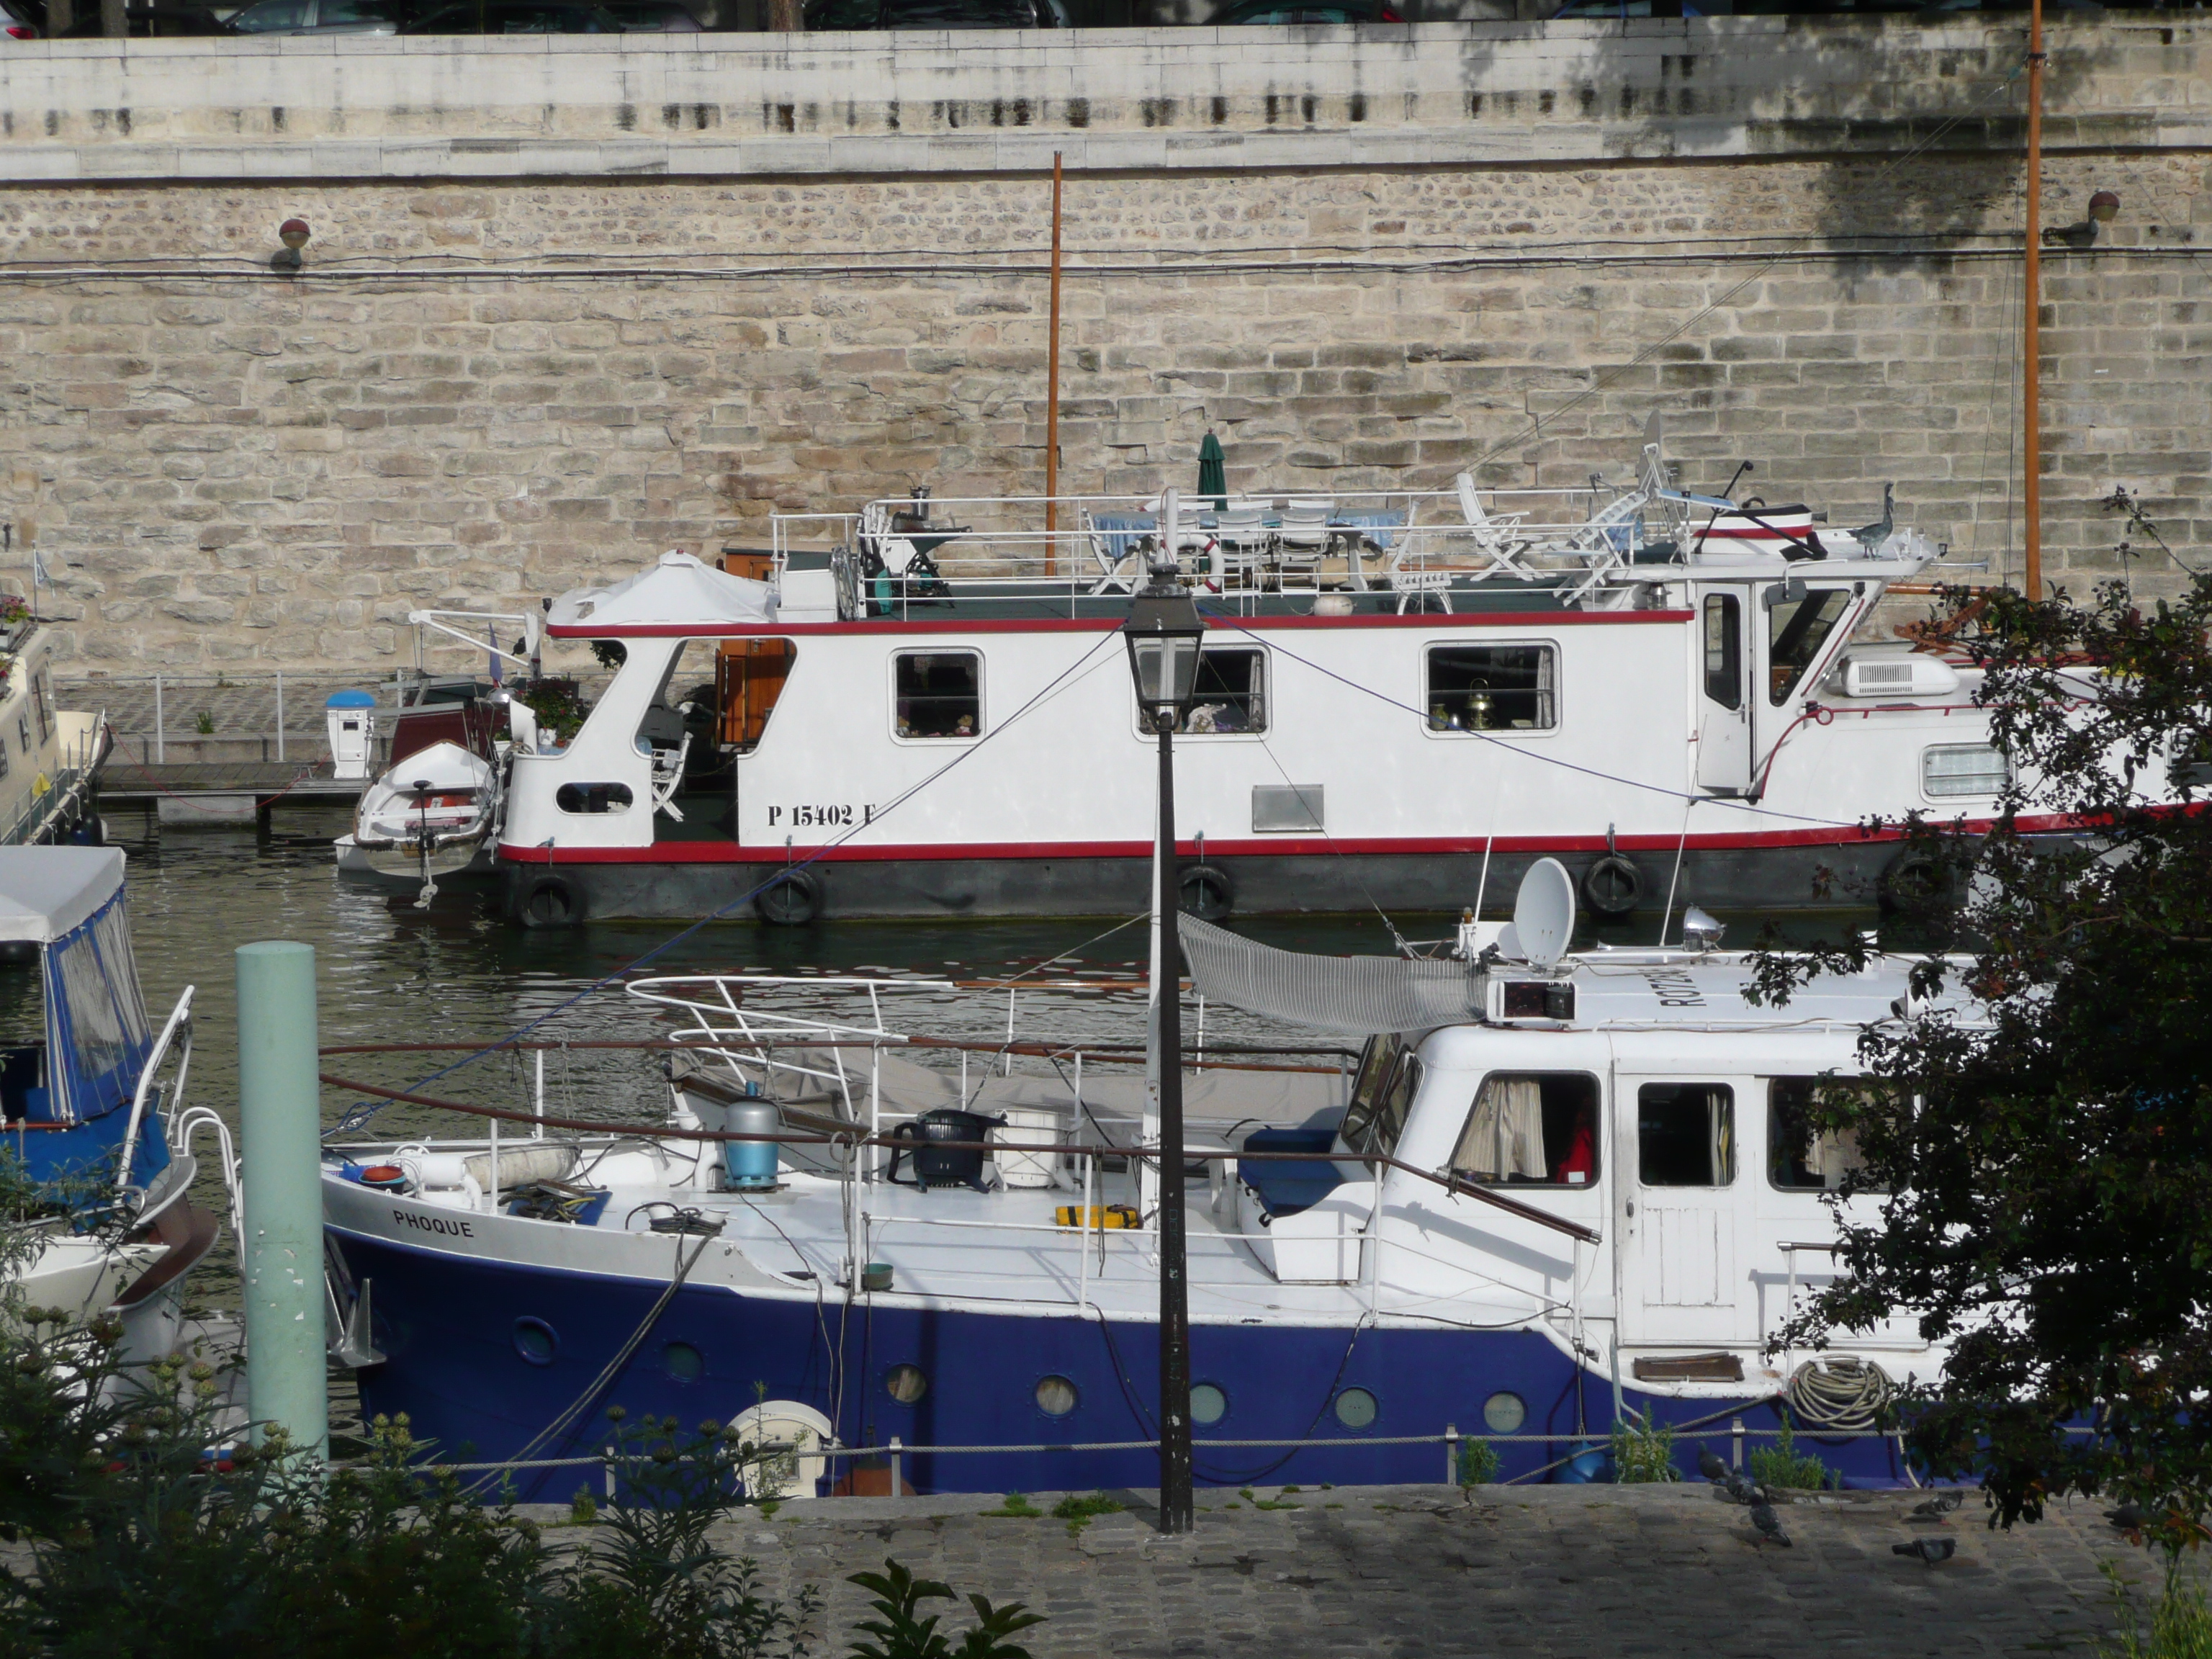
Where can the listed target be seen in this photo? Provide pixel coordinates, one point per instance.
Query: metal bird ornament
(1872, 536)
(1769, 1524)
(1929, 1550)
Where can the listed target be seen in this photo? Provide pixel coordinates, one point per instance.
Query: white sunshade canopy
(679, 591)
(45, 892)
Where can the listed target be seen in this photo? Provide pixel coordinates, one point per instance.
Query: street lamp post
(1162, 635)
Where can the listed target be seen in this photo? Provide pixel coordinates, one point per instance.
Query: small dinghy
(431, 815)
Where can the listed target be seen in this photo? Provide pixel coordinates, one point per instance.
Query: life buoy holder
(1613, 884)
(1205, 891)
(791, 900)
(549, 902)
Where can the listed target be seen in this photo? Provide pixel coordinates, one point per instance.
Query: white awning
(679, 591)
(46, 891)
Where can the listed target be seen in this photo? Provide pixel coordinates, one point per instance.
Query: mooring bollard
(280, 1121)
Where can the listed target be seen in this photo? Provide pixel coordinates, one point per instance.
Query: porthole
(1056, 1396)
(1503, 1413)
(536, 1341)
(906, 1383)
(1208, 1405)
(1355, 1408)
(683, 1362)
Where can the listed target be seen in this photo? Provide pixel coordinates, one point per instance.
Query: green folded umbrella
(1212, 472)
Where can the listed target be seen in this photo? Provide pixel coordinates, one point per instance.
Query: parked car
(17, 22)
(651, 17)
(319, 17)
(515, 17)
(1247, 14)
(165, 18)
(937, 15)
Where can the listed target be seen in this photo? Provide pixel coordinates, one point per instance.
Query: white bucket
(1024, 1125)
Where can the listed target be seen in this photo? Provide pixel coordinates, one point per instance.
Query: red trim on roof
(1109, 624)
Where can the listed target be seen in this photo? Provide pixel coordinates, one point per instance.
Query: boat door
(1724, 699)
(1682, 1258)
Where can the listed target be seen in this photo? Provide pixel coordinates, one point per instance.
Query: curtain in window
(1548, 714)
(1505, 1135)
(1720, 1119)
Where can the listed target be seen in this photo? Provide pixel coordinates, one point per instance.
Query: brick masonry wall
(486, 391)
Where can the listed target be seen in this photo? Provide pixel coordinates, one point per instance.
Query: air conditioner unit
(1913, 676)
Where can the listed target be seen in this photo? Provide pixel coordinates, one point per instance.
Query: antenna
(1544, 913)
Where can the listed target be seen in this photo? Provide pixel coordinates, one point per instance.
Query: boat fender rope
(1839, 1395)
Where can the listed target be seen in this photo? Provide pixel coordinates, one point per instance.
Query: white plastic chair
(1301, 541)
(1412, 577)
(1116, 574)
(1241, 542)
(1496, 537)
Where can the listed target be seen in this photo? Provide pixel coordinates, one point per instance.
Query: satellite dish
(1653, 428)
(1544, 912)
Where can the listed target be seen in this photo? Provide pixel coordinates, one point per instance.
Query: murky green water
(390, 973)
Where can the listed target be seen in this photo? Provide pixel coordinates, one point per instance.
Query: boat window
(1230, 694)
(583, 798)
(42, 691)
(661, 728)
(23, 731)
(103, 1012)
(1376, 1062)
(1533, 1128)
(1724, 650)
(1964, 769)
(1795, 634)
(749, 679)
(1800, 1157)
(1378, 1128)
(940, 694)
(1685, 1134)
(1492, 687)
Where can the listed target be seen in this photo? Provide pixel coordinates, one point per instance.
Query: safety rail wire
(1190, 1155)
(1451, 1440)
(1132, 1051)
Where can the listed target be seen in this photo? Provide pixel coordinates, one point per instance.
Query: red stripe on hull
(722, 852)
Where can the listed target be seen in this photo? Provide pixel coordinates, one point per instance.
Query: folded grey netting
(1364, 995)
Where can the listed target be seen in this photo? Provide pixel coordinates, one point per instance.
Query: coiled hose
(1840, 1397)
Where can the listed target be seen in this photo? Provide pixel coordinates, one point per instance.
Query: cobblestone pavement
(1423, 1570)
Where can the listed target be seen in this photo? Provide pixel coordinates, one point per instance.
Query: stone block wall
(487, 389)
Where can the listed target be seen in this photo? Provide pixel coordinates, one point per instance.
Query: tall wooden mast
(2031, 348)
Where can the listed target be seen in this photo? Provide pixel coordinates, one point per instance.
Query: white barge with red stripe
(1406, 699)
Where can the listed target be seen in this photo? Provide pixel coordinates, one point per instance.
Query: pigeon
(1711, 1467)
(1872, 536)
(2128, 1517)
(1742, 1489)
(1769, 1524)
(1943, 1504)
(1930, 1550)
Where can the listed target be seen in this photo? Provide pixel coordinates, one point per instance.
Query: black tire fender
(791, 900)
(549, 902)
(1917, 882)
(1206, 891)
(1613, 886)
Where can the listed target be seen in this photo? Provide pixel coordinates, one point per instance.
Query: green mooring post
(280, 1121)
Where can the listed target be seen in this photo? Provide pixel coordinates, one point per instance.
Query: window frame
(1406, 1059)
(1729, 607)
(1597, 1135)
(982, 696)
(1735, 1137)
(1258, 734)
(1780, 698)
(1928, 794)
(1430, 729)
(1774, 1119)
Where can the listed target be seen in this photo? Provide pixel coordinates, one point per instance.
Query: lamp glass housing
(1164, 634)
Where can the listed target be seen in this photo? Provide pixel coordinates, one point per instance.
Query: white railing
(67, 781)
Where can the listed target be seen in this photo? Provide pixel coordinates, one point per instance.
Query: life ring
(1613, 884)
(1205, 891)
(791, 900)
(549, 902)
(1917, 882)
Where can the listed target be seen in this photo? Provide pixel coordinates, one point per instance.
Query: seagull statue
(1870, 537)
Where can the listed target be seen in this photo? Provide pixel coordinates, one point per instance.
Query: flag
(39, 577)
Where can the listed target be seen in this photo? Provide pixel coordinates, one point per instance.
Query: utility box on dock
(353, 733)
